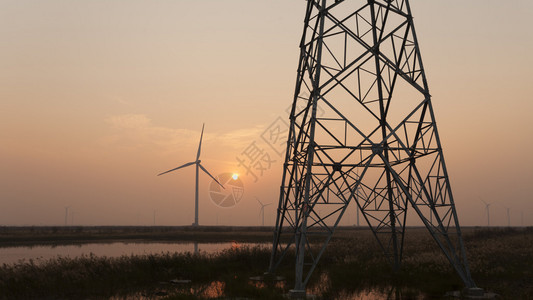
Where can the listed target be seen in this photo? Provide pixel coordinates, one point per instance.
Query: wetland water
(211, 290)
(40, 253)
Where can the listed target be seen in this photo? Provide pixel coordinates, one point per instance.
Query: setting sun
(235, 176)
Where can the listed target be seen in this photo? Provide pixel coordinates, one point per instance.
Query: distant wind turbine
(72, 217)
(508, 216)
(198, 164)
(66, 214)
(487, 205)
(262, 210)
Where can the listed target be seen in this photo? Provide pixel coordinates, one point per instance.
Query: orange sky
(97, 97)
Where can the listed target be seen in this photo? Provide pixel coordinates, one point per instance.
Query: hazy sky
(98, 97)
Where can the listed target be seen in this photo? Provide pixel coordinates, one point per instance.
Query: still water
(39, 254)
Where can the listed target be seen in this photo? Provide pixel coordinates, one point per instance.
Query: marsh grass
(501, 260)
(92, 277)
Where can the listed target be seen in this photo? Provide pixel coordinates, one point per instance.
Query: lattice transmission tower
(362, 128)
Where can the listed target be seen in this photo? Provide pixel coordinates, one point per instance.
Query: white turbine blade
(203, 169)
(259, 201)
(185, 165)
(268, 204)
(200, 145)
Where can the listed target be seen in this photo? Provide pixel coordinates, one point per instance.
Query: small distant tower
(375, 140)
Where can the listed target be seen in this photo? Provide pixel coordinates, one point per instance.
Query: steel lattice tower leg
(362, 128)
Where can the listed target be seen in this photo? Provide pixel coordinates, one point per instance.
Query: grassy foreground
(501, 260)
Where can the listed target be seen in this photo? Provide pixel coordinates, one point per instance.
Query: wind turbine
(72, 217)
(487, 205)
(198, 164)
(508, 216)
(262, 210)
(66, 214)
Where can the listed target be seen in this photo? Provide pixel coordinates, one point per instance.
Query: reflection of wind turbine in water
(198, 164)
(487, 205)
(262, 210)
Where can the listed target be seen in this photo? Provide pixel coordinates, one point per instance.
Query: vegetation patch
(501, 260)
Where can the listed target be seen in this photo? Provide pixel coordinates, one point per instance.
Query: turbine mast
(196, 196)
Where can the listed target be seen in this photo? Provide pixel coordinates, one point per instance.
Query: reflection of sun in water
(235, 176)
